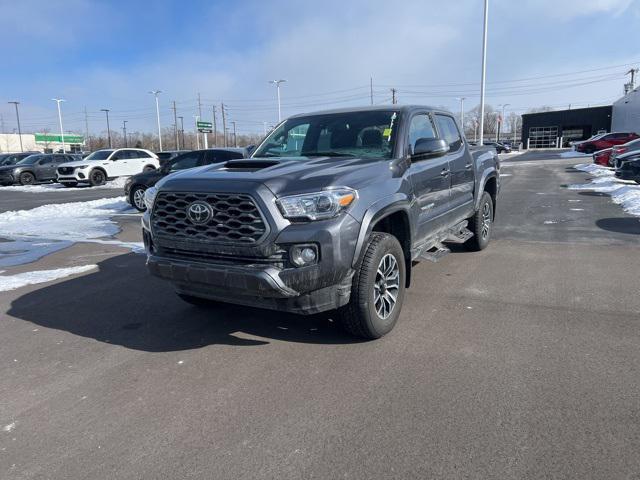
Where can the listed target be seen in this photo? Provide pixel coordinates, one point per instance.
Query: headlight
(318, 205)
(150, 196)
(81, 166)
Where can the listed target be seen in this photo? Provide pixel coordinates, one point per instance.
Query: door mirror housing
(430, 148)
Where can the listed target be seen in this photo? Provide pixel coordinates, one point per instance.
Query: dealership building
(40, 142)
(560, 127)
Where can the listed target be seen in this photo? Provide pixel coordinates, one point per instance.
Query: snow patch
(622, 192)
(116, 184)
(8, 428)
(12, 282)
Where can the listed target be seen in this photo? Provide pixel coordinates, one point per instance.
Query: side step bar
(437, 250)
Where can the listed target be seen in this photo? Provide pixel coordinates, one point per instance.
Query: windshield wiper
(326, 154)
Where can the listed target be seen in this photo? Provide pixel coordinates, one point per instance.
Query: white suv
(103, 165)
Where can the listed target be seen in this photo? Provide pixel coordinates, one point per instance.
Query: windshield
(99, 155)
(30, 160)
(367, 134)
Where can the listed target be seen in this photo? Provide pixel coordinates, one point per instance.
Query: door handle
(468, 166)
(445, 172)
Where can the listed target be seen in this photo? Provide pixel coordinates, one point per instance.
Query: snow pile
(622, 192)
(574, 154)
(12, 282)
(116, 184)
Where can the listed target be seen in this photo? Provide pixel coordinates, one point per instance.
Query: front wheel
(481, 224)
(27, 178)
(97, 177)
(136, 198)
(377, 292)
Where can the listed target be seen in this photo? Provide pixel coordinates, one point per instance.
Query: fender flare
(376, 212)
(489, 173)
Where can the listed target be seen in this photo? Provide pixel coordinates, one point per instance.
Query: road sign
(204, 127)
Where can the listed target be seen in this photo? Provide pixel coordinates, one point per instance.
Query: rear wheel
(136, 198)
(27, 178)
(97, 177)
(481, 224)
(378, 289)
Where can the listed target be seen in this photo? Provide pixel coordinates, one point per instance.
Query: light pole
(277, 84)
(155, 94)
(501, 120)
(58, 101)
(197, 118)
(484, 69)
(106, 111)
(182, 130)
(462, 99)
(124, 131)
(18, 119)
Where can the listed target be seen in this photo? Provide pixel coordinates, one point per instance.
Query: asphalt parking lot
(521, 361)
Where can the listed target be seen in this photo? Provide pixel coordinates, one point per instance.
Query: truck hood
(287, 175)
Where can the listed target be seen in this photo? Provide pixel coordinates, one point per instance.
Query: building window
(543, 137)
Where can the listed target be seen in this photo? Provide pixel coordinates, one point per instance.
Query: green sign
(204, 127)
(48, 137)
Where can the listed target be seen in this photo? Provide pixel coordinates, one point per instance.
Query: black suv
(136, 185)
(39, 167)
(7, 159)
(332, 211)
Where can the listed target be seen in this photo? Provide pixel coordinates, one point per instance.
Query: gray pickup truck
(332, 212)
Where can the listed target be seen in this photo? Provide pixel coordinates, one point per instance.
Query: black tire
(97, 177)
(27, 178)
(481, 224)
(361, 316)
(197, 301)
(148, 168)
(69, 184)
(136, 197)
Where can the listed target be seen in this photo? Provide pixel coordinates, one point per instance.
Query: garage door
(543, 137)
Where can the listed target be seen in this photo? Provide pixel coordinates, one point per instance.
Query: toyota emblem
(199, 213)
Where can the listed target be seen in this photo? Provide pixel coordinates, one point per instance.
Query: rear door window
(188, 160)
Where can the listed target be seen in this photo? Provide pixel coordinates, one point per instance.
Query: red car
(606, 141)
(603, 157)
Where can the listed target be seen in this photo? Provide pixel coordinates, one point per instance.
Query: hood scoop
(248, 165)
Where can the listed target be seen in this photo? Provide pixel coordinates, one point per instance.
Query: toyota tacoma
(332, 212)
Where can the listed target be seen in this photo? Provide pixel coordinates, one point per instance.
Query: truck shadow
(122, 304)
(628, 225)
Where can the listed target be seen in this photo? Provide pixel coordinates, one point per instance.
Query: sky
(110, 54)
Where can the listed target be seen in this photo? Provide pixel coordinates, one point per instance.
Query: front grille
(65, 170)
(236, 218)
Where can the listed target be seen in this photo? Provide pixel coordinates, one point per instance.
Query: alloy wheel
(386, 286)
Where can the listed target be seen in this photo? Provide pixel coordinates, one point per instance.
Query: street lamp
(197, 119)
(124, 131)
(18, 118)
(484, 69)
(462, 99)
(106, 111)
(277, 84)
(58, 101)
(182, 131)
(155, 94)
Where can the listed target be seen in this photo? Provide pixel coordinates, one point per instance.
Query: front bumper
(78, 176)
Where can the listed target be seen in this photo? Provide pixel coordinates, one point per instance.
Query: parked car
(35, 168)
(632, 146)
(628, 166)
(13, 158)
(606, 141)
(135, 186)
(332, 211)
(500, 147)
(103, 165)
(601, 157)
(167, 155)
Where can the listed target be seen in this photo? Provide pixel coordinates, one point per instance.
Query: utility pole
(86, 129)
(58, 101)
(197, 117)
(277, 84)
(235, 139)
(224, 124)
(124, 132)
(15, 104)
(394, 100)
(155, 94)
(182, 130)
(484, 69)
(175, 125)
(628, 88)
(371, 89)
(106, 111)
(215, 127)
(462, 99)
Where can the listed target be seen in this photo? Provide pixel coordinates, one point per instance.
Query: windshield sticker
(388, 131)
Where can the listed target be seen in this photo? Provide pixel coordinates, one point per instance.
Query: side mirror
(430, 148)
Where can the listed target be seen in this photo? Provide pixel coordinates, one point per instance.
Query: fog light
(303, 255)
